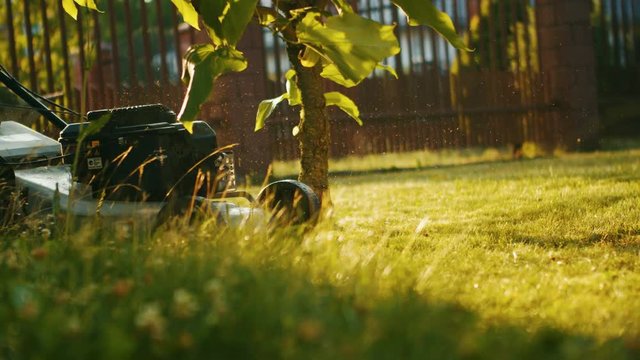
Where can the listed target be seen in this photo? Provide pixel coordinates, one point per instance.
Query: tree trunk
(314, 135)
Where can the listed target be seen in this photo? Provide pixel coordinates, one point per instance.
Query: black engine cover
(142, 153)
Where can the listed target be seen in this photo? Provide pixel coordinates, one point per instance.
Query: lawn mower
(133, 163)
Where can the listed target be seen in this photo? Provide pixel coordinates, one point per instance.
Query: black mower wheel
(290, 202)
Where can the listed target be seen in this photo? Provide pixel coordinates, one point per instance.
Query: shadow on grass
(619, 241)
(525, 169)
(208, 297)
(397, 170)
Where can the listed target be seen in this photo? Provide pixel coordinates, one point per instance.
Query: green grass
(413, 160)
(528, 259)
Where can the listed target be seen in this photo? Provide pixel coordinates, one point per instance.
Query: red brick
(555, 37)
(546, 15)
(574, 11)
(582, 35)
(549, 59)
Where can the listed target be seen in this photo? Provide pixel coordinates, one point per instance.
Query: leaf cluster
(347, 46)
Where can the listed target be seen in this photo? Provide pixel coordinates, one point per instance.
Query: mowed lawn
(507, 259)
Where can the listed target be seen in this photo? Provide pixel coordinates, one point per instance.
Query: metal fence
(493, 96)
(616, 25)
(617, 39)
(131, 54)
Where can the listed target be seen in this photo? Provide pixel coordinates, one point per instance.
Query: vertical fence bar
(604, 38)
(516, 38)
(395, 17)
(627, 35)
(99, 64)
(162, 42)
(447, 62)
(12, 40)
(81, 56)
(65, 56)
(33, 78)
(435, 69)
(47, 46)
(176, 35)
(278, 66)
(146, 43)
(635, 16)
(115, 52)
(527, 47)
(615, 27)
(502, 18)
(133, 76)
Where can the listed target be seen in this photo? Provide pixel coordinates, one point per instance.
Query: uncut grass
(530, 259)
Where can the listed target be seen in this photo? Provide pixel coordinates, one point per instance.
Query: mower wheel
(289, 202)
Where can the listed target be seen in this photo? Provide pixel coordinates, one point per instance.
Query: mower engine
(143, 153)
(138, 163)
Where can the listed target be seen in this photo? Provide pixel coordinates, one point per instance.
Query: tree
(325, 39)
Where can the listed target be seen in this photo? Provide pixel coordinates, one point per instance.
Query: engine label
(94, 163)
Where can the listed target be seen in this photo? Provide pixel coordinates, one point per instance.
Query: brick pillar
(567, 58)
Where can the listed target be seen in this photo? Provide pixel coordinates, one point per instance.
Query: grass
(413, 160)
(526, 259)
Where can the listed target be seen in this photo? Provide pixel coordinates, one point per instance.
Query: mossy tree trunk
(314, 136)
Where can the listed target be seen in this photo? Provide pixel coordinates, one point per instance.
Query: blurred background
(545, 74)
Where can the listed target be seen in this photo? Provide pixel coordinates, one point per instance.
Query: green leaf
(353, 44)
(424, 12)
(332, 73)
(203, 64)
(266, 16)
(309, 57)
(266, 108)
(388, 69)
(293, 92)
(344, 103)
(235, 18)
(210, 11)
(189, 14)
(91, 4)
(342, 6)
(70, 8)
(227, 19)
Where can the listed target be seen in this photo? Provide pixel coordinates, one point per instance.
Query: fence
(496, 95)
(616, 25)
(129, 54)
(443, 98)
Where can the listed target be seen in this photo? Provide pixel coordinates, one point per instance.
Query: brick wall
(567, 56)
